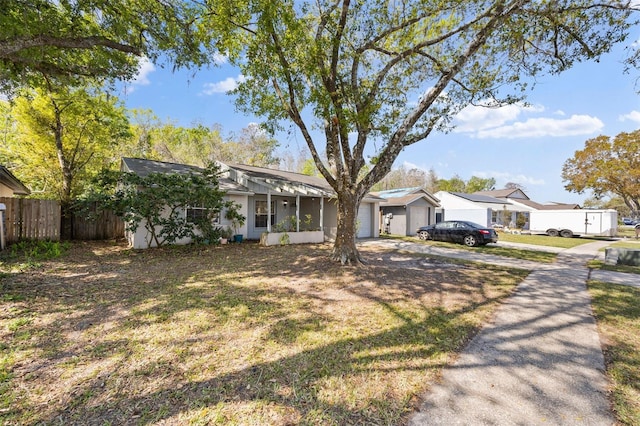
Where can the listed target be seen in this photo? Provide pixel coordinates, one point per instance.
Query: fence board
(103, 225)
(35, 219)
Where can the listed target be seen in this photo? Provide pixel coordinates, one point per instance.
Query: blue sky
(527, 145)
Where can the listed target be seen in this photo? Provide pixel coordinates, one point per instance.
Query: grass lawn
(617, 311)
(544, 240)
(237, 334)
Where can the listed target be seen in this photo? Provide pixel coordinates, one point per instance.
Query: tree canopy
(93, 38)
(61, 138)
(607, 166)
(474, 184)
(198, 144)
(376, 77)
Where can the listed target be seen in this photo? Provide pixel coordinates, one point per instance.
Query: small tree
(158, 201)
(233, 214)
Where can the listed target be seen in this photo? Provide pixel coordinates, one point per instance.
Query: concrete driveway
(539, 362)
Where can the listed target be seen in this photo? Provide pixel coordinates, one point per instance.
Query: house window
(196, 214)
(262, 213)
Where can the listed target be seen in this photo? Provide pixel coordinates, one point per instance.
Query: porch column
(298, 213)
(322, 213)
(269, 210)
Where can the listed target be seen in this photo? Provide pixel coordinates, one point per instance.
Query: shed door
(419, 216)
(364, 220)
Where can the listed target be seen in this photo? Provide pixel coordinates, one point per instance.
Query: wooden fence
(32, 219)
(102, 225)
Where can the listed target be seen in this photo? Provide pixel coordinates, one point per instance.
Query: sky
(527, 145)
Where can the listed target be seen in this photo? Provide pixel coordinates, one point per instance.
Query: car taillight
(484, 231)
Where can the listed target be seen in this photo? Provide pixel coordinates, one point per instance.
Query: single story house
(504, 207)
(270, 199)
(404, 210)
(10, 185)
(481, 209)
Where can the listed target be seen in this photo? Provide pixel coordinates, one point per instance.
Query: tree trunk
(66, 225)
(344, 249)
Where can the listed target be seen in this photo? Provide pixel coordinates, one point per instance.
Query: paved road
(539, 362)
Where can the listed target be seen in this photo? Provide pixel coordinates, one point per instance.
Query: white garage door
(419, 217)
(364, 219)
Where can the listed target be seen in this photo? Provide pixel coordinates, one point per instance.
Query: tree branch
(9, 48)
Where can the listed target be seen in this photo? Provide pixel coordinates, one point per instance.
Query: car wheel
(553, 233)
(470, 241)
(423, 235)
(566, 233)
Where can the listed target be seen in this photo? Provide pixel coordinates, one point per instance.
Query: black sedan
(459, 231)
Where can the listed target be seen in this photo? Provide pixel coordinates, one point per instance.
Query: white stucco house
(404, 210)
(268, 198)
(503, 207)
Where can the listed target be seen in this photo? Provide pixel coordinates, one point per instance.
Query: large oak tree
(97, 39)
(383, 75)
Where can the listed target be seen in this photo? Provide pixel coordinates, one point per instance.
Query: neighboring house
(404, 210)
(10, 185)
(503, 207)
(478, 208)
(518, 197)
(268, 198)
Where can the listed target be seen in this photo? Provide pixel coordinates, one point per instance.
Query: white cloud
(145, 67)
(224, 86)
(575, 125)
(504, 177)
(485, 122)
(632, 116)
(476, 118)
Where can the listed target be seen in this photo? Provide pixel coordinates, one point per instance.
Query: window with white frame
(198, 213)
(262, 213)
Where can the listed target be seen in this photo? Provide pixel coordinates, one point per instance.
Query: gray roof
(505, 193)
(398, 192)
(275, 177)
(143, 167)
(405, 196)
(479, 198)
(285, 181)
(9, 180)
(552, 206)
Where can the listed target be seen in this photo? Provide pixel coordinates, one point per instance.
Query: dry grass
(237, 334)
(617, 310)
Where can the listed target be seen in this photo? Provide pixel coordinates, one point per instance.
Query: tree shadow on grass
(113, 321)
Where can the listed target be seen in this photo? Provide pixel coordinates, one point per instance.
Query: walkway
(538, 362)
